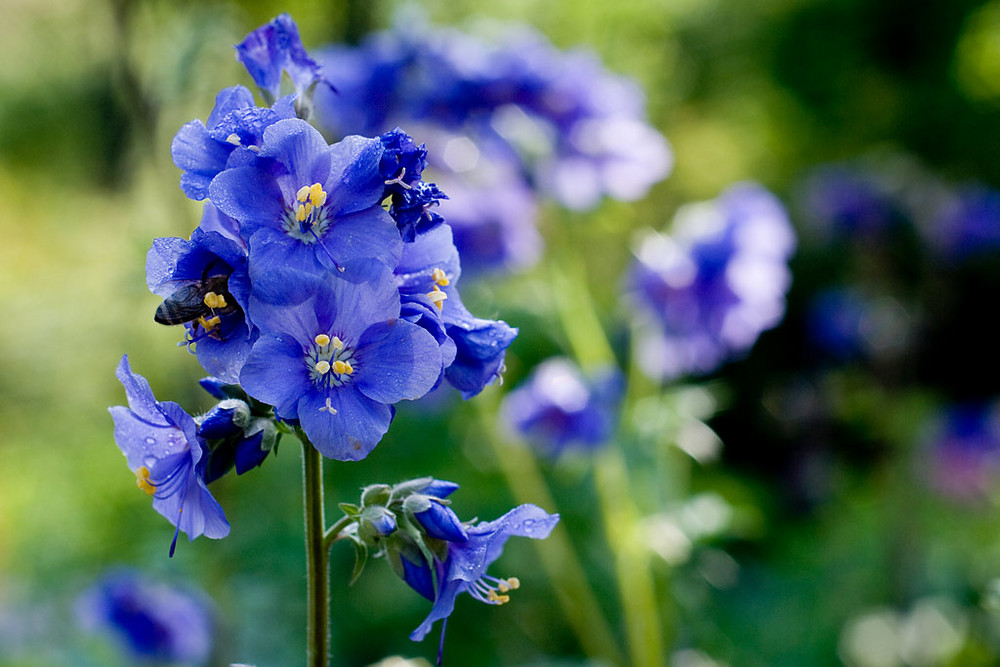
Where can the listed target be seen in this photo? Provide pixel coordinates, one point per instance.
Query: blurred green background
(91, 94)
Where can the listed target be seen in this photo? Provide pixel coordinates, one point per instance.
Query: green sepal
(376, 494)
(350, 510)
(360, 559)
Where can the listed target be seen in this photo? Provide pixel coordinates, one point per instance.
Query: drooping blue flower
(427, 276)
(559, 407)
(464, 568)
(705, 293)
(274, 48)
(202, 150)
(334, 354)
(205, 286)
(163, 449)
(307, 204)
(152, 621)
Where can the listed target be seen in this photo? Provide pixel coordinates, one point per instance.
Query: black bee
(192, 302)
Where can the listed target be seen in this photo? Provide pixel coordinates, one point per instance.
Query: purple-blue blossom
(275, 47)
(206, 287)
(163, 449)
(559, 407)
(335, 354)
(965, 224)
(705, 293)
(202, 150)
(463, 569)
(472, 349)
(307, 204)
(152, 621)
(851, 201)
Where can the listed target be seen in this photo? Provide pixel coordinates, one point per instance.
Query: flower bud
(227, 418)
(376, 494)
(259, 438)
(436, 519)
(375, 522)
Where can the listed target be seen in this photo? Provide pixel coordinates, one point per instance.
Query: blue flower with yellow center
(304, 203)
(163, 449)
(335, 354)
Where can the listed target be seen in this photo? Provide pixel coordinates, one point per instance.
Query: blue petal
(441, 522)
(352, 431)
(140, 395)
(443, 606)
(276, 373)
(396, 360)
(301, 149)
(368, 233)
(250, 195)
(200, 157)
(469, 561)
(419, 577)
(355, 180)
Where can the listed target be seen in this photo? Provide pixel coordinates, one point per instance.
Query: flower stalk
(317, 559)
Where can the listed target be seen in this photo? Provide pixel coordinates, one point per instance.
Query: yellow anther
(213, 300)
(300, 213)
(514, 583)
(323, 367)
(303, 193)
(337, 343)
(437, 297)
(440, 278)
(233, 139)
(317, 195)
(210, 323)
(499, 599)
(322, 340)
(342, 367)
(142, 480)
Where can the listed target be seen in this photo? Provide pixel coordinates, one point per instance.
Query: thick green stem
(317, 559)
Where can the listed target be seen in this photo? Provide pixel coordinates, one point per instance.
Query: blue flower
(334, 354)
(203, 150)
(307, 204)
(704, 294)
(276, 47)
(427, 276)
(152, 621)
(412, 200)
(558, 407)
(852, 201)
(463, 569)
(966, 224)
(163, 449)
(205, 286)
(963, 450)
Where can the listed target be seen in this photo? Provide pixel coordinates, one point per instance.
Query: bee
(203, 302)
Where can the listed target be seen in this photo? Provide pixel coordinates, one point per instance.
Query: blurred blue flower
(705, 293)
(847, 323)
(964, 450)
(558, 407)
(334, 354)
(463, 570)
(206, 287)
(307, 204)
(966, 224)
(151, 621)
(202, 150)
(163, 449)
(851, 201)
(273, 48)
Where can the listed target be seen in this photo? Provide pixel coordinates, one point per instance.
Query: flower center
(329, 361)
(309, 219)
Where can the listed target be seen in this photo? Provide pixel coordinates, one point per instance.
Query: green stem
(317, 559)
(333, 532)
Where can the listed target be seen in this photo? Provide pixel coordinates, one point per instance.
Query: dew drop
(150, 441)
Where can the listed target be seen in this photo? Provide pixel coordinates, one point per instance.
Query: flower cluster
(320, 287)
(707, 291)
(558, 407)
(432, 550)
(505, 119)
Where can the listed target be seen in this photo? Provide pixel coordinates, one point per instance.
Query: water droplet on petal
(150, 441)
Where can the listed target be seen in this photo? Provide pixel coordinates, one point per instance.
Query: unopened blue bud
(252, 450)
(376, 522)
(419, 577)
(227, 418)
(440, 488)
(440, 522)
